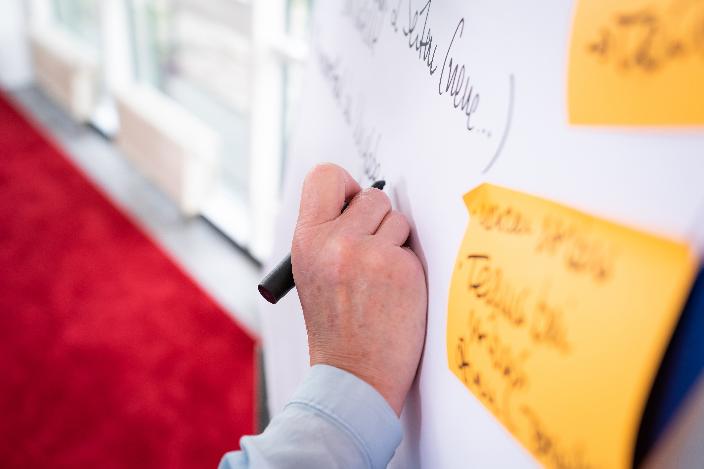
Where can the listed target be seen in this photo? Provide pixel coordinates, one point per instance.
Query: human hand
(363, 293)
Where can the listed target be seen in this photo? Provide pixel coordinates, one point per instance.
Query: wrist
(388, 391)
(341, 397)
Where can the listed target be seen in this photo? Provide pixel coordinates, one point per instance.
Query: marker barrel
(278, 282)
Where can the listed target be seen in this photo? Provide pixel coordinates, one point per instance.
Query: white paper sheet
(372, 105)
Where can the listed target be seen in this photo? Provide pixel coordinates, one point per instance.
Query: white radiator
(171, 147)
(66, 70)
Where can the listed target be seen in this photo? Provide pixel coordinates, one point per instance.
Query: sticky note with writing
(557, 321)
(637, 62)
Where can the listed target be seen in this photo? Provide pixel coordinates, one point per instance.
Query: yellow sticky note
(637, 62)
(557, 322)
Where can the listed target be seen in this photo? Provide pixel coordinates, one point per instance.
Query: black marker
(280, 279)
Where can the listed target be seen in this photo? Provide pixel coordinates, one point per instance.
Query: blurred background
(198, 96)
(225, 72)
(180, 112)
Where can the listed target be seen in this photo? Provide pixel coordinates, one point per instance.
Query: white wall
(15, 64)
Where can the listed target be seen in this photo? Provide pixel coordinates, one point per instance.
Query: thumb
(325, 190)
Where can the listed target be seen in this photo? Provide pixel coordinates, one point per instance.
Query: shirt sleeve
(334, 420)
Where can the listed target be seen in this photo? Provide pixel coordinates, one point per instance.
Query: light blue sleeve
(335, 420)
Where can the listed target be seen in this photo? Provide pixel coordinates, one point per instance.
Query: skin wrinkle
(364, 300)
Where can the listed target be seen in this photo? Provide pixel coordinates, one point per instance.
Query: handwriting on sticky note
(637, 62)
(557, 321)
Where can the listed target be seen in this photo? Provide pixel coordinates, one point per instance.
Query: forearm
(334, 420)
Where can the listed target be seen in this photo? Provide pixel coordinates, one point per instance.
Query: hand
(363, 293)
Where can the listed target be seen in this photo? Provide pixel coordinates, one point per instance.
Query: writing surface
(420, 145)
(637, 62)
(557, 321)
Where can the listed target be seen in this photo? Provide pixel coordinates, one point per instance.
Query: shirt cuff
(355, 407)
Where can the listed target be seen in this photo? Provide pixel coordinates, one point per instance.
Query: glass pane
(298, 18)
(79, 17)
(298, 13)
(198, 53)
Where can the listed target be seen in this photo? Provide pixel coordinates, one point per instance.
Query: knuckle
(378, 198)
(400, 219)
(375, 261)
(340, 255)
(413, 262)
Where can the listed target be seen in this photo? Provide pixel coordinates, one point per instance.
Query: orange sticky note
(557, 322)
(637, 62)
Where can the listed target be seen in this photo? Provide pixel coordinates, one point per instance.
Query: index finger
(325, 190)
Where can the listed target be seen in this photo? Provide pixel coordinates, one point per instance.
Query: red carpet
(110, 356)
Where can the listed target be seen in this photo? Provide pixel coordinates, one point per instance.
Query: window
(99, 28)
(198, 53)
(81, 18)
(236, 65)
(298, 15)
